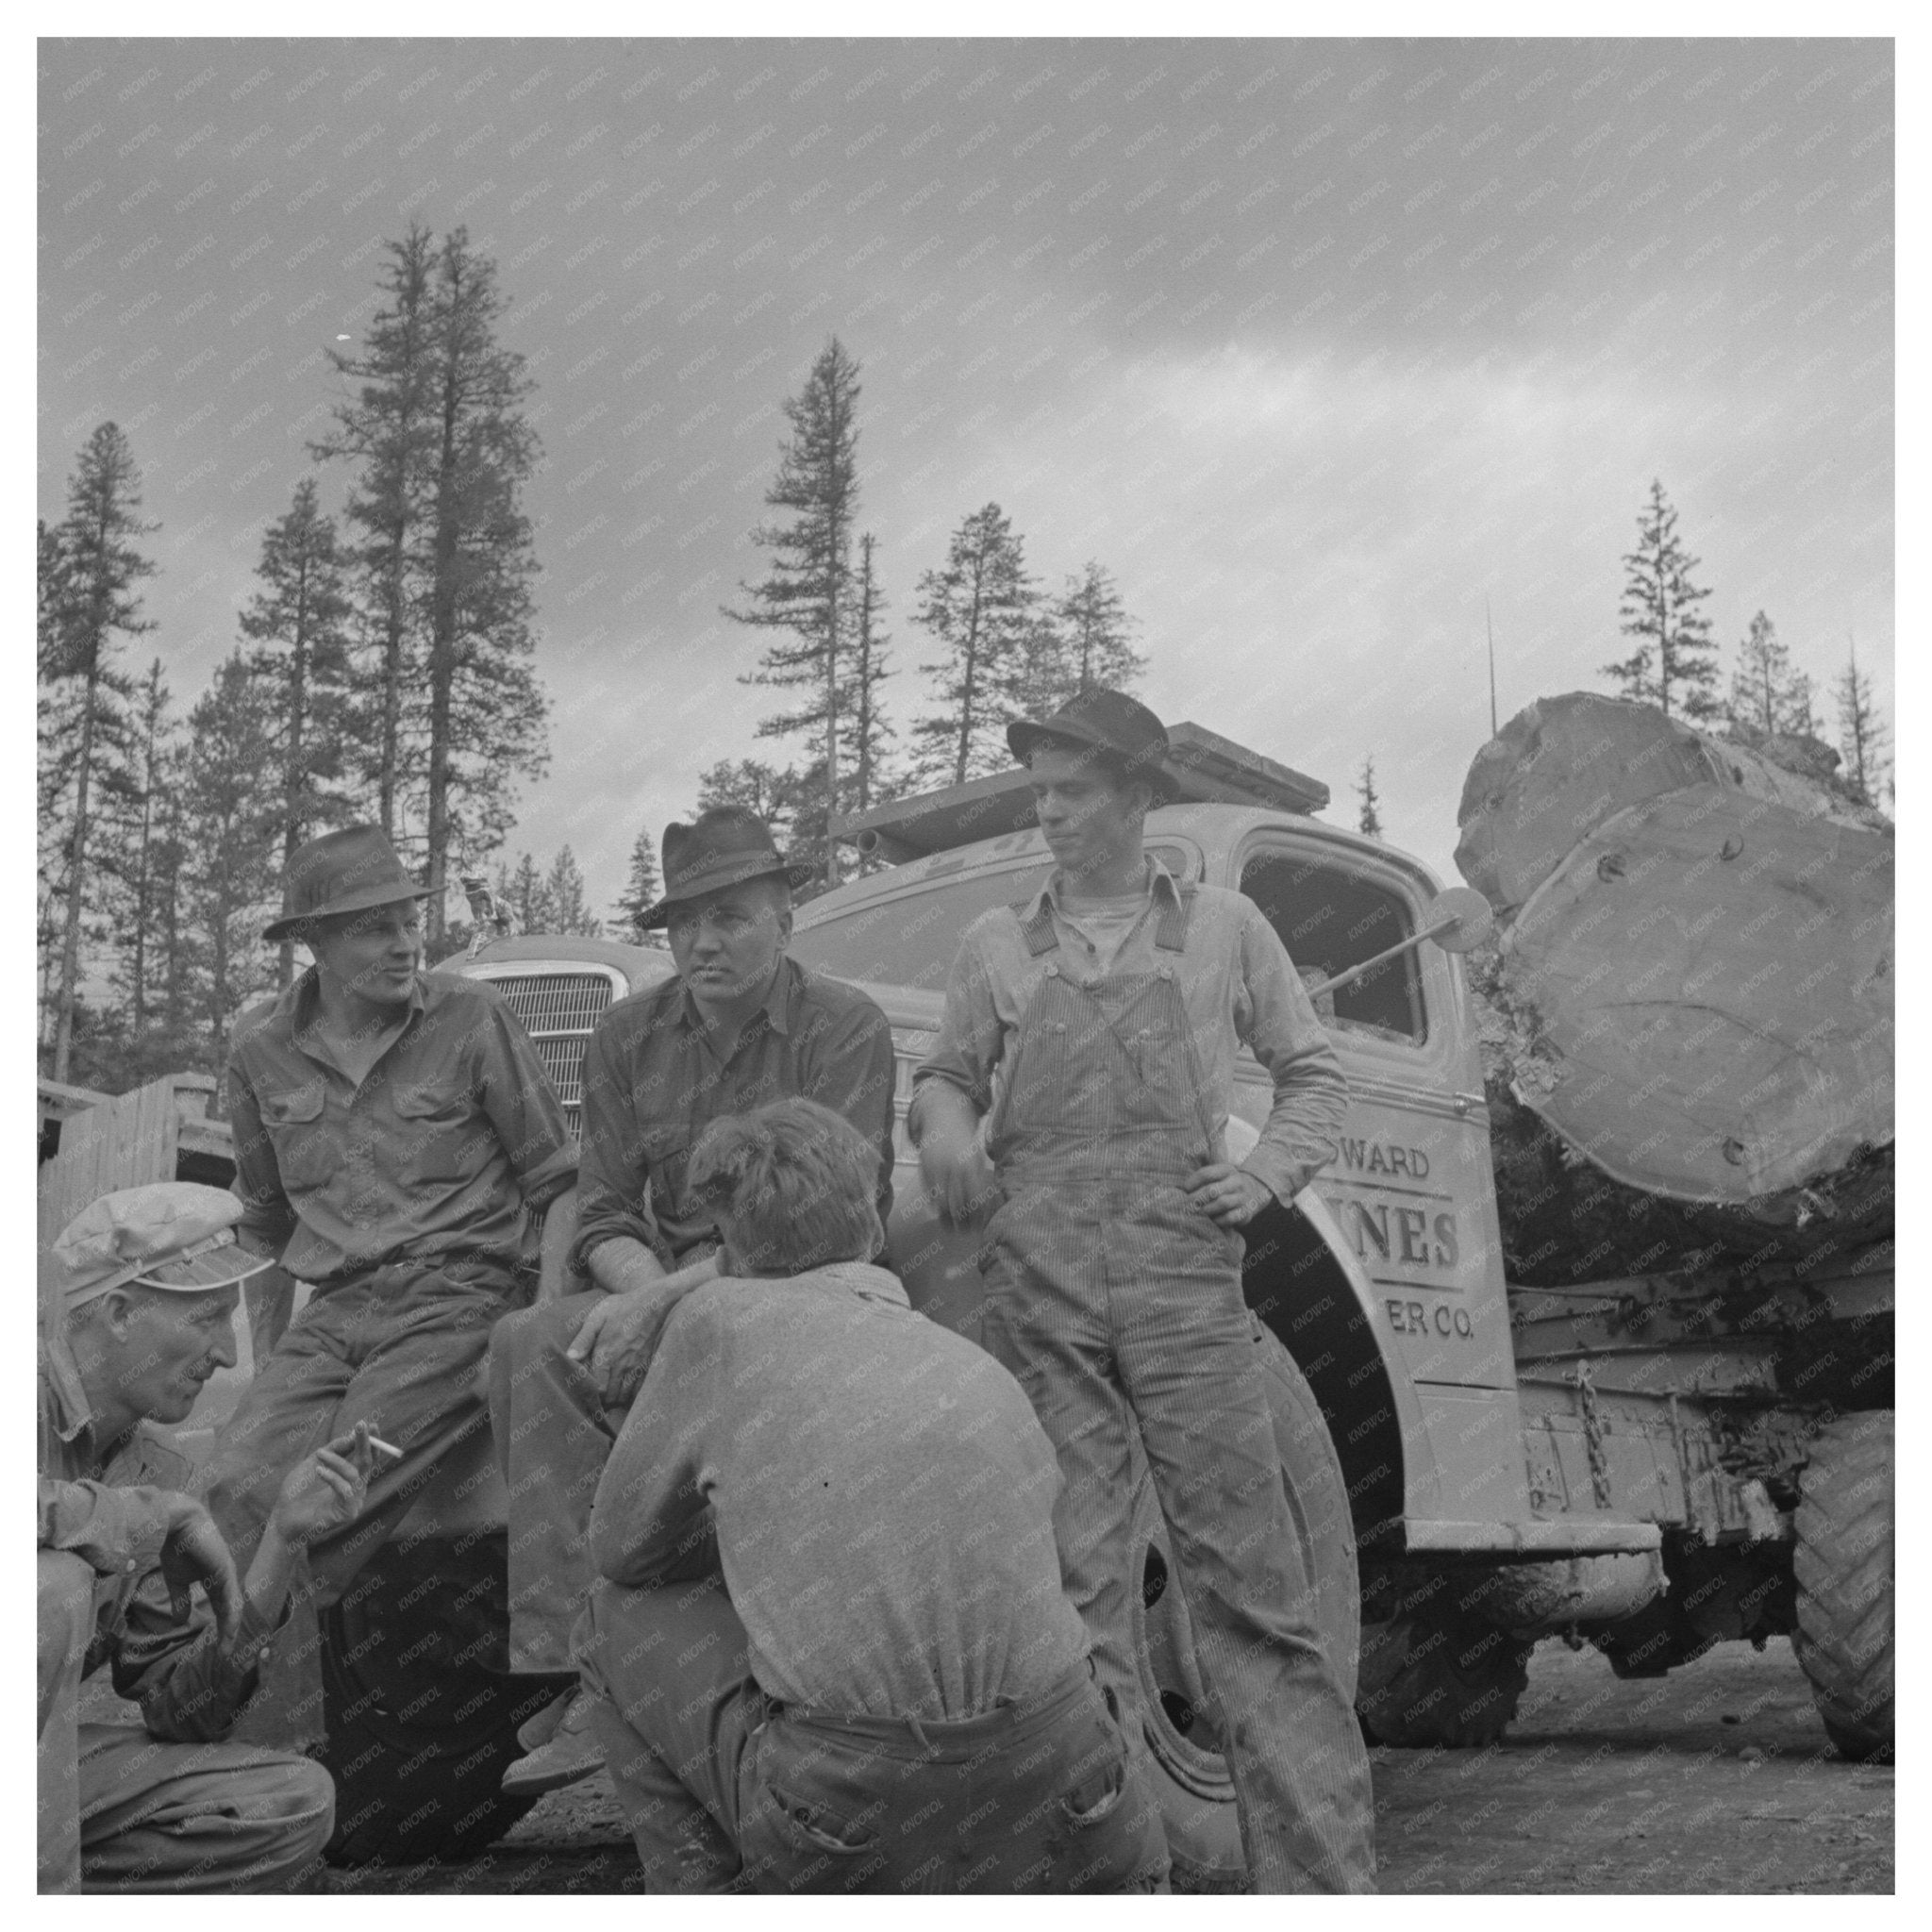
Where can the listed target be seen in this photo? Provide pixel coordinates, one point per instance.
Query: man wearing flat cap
(395, 1139)
(740, 1026)
(144, 1289)
(1110, 1005)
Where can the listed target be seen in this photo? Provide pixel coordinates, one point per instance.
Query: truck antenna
(1491, 629)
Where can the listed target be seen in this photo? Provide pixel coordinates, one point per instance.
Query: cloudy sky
(1317, 345)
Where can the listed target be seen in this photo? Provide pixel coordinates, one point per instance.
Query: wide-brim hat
(178, 1236)
(1103, 721)
(724, 846)
(354, 870)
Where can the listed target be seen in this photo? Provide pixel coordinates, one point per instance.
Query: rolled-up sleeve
(612, 1199)
(109, 1529)
(524, 1110)
(970, 1034)
(268, 1218)
(1275, 1017)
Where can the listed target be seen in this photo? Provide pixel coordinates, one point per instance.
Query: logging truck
(1652, 1463)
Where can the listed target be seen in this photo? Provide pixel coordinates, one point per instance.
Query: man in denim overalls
(1092, 1029)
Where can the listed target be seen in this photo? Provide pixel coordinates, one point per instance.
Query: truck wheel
(1843, 1561)
(1432, 1675)
(418, 1732)
(1190, 1774)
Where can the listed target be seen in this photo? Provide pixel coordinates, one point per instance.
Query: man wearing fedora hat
(143, 1286)
(1110, 1005)
(741, 1026)
(395, 1139)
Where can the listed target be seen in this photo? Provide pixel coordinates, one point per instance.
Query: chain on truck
(1649, 1465)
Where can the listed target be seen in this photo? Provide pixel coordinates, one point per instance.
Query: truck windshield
(1329, 919)
(909, 938)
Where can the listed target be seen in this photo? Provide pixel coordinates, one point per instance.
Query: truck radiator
(557, 1011)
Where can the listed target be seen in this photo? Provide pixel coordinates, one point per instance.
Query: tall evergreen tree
(150, 753)
(484, 709)
(872, 732)
(298, 620)
(1768, 697)
(1368, 820)
(232, 808)
(565, 884)
(641, 890)
(808, 588)
(386, 425)
(760, 787)
(90, 598)
(1863, 733)
(981, 609)
(1674, 657)
(1095, 635)
(528, 895)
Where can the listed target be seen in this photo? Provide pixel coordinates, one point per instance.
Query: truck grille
(557, 1011)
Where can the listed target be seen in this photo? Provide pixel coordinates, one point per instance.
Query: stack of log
(1688, 1013)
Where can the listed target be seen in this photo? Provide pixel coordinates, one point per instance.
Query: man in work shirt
(394, 1135)
(741, 1026)
(143, 1289)
(834, 1655)
(1110, 1003)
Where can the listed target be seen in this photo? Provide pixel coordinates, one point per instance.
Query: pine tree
(88, 598)
(386, 427)
(1369, 821)
(808, 588)
(872, 733)
(1095, 634)
(484, 709)
(640, 892)
(298, 618)
(232, 813)
(1862, 734)
(528, 895)
(1768, 697)
(759, 788)
(981, 609)
(1674, 654)
(138, 837)
(565, 884)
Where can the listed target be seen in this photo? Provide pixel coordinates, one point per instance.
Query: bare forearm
(623, 1265)
(945, 1114)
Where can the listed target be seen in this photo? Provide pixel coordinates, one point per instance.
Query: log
(1558, 769)
(1695, 991)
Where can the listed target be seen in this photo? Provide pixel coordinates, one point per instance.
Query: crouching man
(884, 1689)
(146, 1290)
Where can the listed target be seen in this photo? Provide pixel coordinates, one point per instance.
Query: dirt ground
(1715, 1779)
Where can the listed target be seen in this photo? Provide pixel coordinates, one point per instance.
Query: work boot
(559, 1749)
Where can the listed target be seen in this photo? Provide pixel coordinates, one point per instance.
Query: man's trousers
(726, 1789)
(1117, 1306)
(120, 1810)
(553, 1437)
(398, 1348)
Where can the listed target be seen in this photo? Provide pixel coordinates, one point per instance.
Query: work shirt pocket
(437, 1132)
(667, 1164)
(297, 1132)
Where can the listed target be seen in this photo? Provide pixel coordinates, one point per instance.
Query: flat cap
(174, 1235)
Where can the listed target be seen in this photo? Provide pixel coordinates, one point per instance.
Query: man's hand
(958, 1178)
(1227, 1194)
(620, 1335)
(193, 1552)
(325, 1490)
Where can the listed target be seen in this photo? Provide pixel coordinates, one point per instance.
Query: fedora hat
(1104, 720)
(174, 1235)
(724, 846)
(349, 871)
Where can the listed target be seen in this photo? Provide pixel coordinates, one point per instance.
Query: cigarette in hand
(383, 1448)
